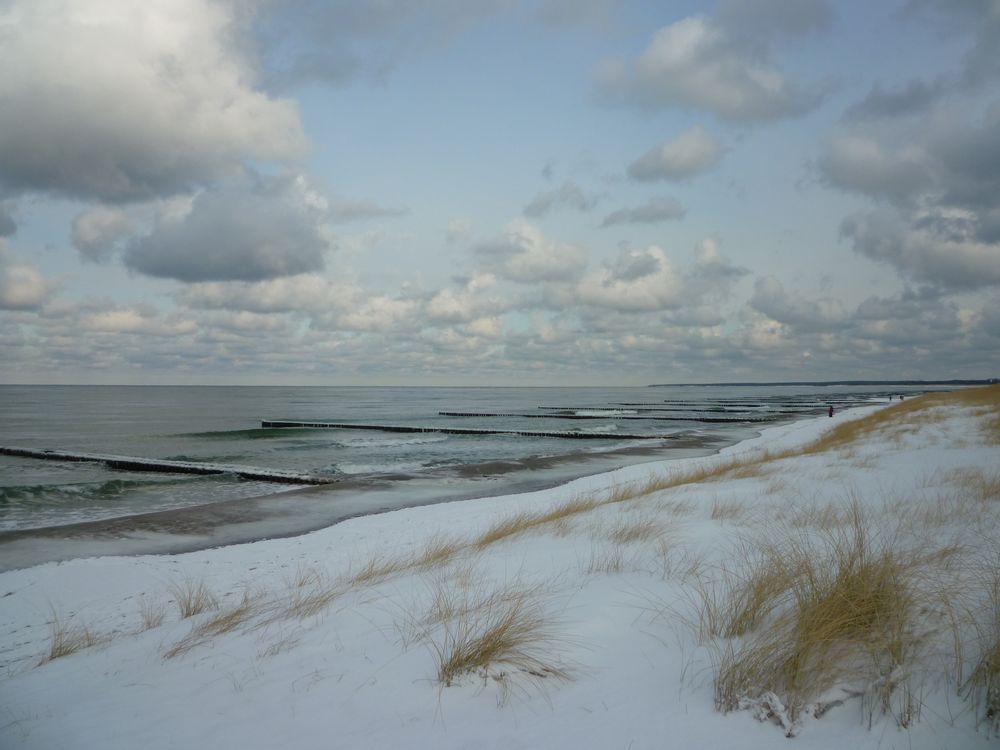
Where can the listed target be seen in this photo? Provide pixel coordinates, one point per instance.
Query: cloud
(942, 222)
(924, 252)
(715, 65)
(22, 286)
(567, 195)
(466, 304)
(764, 19)
(345, 210)
(914, 98)
(309, 292)
(865, 165)
(7, 224)
(653, 211)
(304, 40)
(647, 281)
(803, 315)
(691, 153)
(98, 231)
(526, 256)
(250, 230)
(117, 101)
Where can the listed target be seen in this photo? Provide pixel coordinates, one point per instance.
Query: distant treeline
(987, 381)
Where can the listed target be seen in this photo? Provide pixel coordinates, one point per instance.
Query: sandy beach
(833, 580)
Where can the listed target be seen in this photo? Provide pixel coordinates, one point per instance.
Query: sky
(498, 192)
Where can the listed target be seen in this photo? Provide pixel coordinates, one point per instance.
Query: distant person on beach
(831, 410)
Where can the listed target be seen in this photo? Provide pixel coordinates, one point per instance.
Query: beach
(609, 611)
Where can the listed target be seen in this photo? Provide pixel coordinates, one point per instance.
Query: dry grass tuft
(844, 609)
(506, 528)
(439, 550)
(225, 621)
(983, 685)
(526, 521)
(152, 613)
(308, 601)
(192, 597)
(503, 636)
(723, 510)
(376, 570)
(68, 638)
(632, 531)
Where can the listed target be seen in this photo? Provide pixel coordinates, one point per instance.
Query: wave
(82, 492)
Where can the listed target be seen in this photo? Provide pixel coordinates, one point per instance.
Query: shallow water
(378, 470)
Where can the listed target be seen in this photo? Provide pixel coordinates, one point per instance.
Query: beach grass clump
(838, 610)
(982, 687)
(68, 638)
(439, 550)
(504, 636)
(152, 613)
(191, 596)
(376, 569)
(219, 623)
(523, 521)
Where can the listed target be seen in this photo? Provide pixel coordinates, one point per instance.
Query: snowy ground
(333, 639)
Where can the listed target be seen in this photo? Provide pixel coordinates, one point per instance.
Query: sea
(393, 447)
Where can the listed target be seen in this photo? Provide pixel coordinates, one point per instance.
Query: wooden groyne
(567, 434)
(136, 463)
(635, 417)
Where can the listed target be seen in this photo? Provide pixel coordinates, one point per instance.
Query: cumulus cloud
(718, 65)
(98, 231)
(118, 101)
(7, 224)
(525, 255)
(567, 195)
(924, 252)
(653, 211)
(647, 280)
(802, 314)
(865, 165)
(468, 303)
(692, 152)
(22, 286)
(251, 230)
(309, 292)
(942, 222)
(303, 40)
(343, 210)
(914, 98)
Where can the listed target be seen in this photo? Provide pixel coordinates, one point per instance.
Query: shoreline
(269, 516)
(338, 632)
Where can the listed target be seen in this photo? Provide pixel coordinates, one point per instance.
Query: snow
(619, 619)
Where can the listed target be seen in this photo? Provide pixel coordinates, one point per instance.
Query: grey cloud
(766, 18)
(691, 153)
(303, 40)
(655, 210)
(263, 229)
(804, 315)
(99, 231)
(7, 224)
(980, 19)
(865, 165)
(914, 98)
(526, 256)
(136, 102)
(923, 254)
(22, 286)
(701, 64)
(567, 195)
(345, 210)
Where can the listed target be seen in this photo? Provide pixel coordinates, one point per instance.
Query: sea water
(377, 470)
